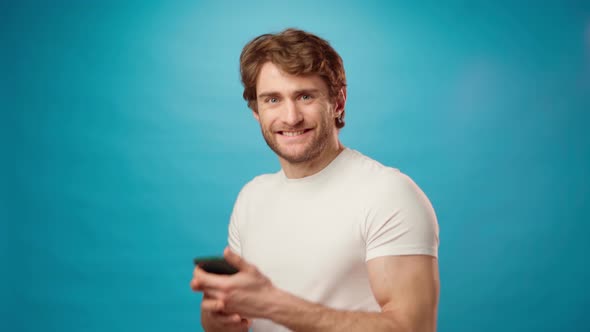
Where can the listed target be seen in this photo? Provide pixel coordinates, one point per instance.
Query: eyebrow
(295, 93)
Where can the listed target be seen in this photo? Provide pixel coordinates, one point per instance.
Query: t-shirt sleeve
(233, 237)
(400, 220)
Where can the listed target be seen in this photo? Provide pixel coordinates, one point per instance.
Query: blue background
(126, 141)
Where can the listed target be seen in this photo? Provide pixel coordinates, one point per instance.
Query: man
(334, 241)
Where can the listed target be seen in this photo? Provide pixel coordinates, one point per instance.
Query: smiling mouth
(292, 133)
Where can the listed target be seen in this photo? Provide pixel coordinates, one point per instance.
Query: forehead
(272, 79)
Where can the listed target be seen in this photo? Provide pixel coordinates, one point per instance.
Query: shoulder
(377, 186)
(376, 175)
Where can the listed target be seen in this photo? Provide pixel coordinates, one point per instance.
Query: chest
(304, 245)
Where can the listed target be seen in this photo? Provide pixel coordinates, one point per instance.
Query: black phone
(217, 265)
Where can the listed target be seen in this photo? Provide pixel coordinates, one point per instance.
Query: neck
(311, 167)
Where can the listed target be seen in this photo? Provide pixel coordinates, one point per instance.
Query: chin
(297, 156)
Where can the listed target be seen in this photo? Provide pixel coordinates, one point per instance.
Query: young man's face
(295, 113)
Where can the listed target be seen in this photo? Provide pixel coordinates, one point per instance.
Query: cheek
(324, 117)
(266, 122)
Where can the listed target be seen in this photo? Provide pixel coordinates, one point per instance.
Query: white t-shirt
(312, 236)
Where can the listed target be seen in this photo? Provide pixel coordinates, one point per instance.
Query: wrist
(286, 308)
(277, 301)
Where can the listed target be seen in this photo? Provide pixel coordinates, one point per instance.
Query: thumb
(234, 259)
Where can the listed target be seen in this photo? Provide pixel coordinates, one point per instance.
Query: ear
(256, 116)
(340, 102)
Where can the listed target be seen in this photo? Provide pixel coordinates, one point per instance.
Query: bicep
(407, 287)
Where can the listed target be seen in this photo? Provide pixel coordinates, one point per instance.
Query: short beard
(312, 151)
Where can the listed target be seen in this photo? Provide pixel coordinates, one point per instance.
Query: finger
(204, 280)
(195, 284)
(212, 308)
(212, 305)
(196, 271)
(213, 294)
(228, 319)
(235, 259)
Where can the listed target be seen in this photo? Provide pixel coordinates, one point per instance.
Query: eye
(272, 100)
(306, 97)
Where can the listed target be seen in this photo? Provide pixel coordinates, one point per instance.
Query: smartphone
(217, 265)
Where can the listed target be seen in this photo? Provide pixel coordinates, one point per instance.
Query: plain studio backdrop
(126, 140)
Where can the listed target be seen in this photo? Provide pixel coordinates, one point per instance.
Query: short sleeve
(400, 220)
(233, 237)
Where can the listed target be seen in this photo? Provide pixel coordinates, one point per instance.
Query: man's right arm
(213, 321)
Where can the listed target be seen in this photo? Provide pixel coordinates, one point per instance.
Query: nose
(292, 116)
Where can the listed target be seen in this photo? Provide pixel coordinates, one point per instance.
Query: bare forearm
(300, 315)
(324, 319)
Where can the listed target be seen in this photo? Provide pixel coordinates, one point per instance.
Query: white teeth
(293, 133)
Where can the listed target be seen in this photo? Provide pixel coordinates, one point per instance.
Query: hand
(247, 293)
(217, 320)
(222, 321)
